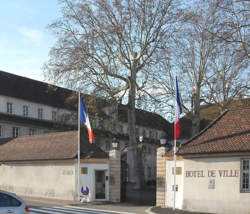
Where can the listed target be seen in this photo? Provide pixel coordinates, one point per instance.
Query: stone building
(46, 166)
(29, 107)
(212, 168)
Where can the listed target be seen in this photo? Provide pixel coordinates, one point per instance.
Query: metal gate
(124, 177)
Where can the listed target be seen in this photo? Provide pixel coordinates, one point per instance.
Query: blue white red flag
(84, 118)
(178, 111)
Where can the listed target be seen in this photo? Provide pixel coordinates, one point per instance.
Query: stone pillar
(115, 176)
(160, 176)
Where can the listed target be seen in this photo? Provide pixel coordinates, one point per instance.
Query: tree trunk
(196, 113)
(134, 168)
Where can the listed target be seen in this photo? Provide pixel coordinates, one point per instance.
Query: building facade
(29, 107)
(212, 168)
(46, 166)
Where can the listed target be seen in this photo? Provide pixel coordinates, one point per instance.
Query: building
(213, 173)
(29, 107)
(46, 166)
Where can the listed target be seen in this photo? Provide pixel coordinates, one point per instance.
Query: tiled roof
(207, 114)
(230, 132)
(55, 146)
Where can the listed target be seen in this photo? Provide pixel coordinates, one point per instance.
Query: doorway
(100, 186)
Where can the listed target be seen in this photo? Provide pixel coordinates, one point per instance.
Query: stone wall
(115, 176)
(160, 176)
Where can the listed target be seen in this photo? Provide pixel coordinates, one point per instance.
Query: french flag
(178, 111)
(84, 118)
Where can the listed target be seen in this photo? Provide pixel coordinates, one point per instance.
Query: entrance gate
(124, 176)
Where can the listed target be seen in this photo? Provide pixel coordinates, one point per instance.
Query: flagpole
(78, 150)
(174, 172)
(174, 158)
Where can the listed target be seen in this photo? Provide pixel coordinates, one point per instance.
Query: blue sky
(25, 40)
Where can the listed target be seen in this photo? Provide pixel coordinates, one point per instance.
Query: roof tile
(230, 132)
(55, 146)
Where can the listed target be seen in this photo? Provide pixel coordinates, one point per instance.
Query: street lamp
(140, 139)
(115, 143)
(163, 141)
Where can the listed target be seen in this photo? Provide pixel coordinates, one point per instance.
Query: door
(100, 186)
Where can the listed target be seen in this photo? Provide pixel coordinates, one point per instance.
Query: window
(40, 113)
(8, 201)
(9, 108)
(31, 132)
(245, 175)
(107, 145)
(149, 171)
(150, 134)
(15, 131)
(54, 116)
(25, 111)
(156, 135)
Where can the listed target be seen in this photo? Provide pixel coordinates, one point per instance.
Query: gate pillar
(160, 176)
(115, 176)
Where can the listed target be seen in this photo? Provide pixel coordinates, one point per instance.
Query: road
(70, 210)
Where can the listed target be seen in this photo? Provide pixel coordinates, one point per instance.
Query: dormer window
(9, 108)
(40, 113)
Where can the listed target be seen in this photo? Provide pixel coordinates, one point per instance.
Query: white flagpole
(175, 104)
(78, 154)
(174, 171)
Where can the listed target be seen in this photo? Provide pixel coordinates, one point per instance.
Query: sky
(25, 40)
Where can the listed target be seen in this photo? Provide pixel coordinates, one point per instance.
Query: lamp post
(115, 143)
(163, 141)
(140, 162)
(140, 139)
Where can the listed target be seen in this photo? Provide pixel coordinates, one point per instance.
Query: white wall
(89, 179)
(39, 180)
(50, 180)
(169, 193)
(225, 197)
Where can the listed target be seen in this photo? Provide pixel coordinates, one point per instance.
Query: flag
(178, 111)
(84, 118)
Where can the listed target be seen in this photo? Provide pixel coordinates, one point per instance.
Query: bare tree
(233, 27)
(211, 68)
(195, 47)
(229, 81)
(110, 47)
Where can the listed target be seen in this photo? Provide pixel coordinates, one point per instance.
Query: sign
(85, 194)
(221, 173)
(178, 170)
